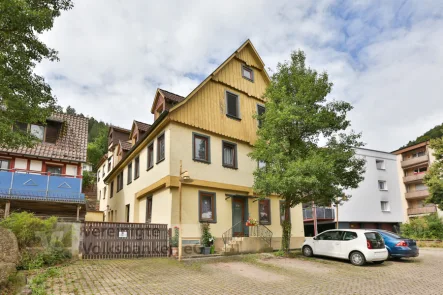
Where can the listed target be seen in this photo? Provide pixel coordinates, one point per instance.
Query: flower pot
(205, 250)
(174, 251)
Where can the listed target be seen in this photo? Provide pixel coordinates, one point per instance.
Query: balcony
(323, 213)
(424, 210)
(40, 186)
(417, 194)
(414, 178)
(415, 161)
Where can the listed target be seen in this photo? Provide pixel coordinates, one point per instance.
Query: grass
(430, 244)
(38, 284)
(15, 282)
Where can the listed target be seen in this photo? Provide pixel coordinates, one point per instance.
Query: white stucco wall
(364, 205)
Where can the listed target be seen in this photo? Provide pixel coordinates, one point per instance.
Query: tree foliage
(434, 178)
(298, 168)
(436, 132)
(24, 96)
(97, 148)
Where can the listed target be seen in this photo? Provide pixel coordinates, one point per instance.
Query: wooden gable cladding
(205, 107)
(207, 111)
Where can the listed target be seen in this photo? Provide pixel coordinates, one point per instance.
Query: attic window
(247, 73)
(52, 130)
(232, 105)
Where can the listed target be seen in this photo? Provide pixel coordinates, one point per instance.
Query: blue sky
(385, 57)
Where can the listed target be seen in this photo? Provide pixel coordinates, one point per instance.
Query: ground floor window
(127, 212)
(264, 211)
(54, 170)
(148, 209)
(4, 164)
(207, 209)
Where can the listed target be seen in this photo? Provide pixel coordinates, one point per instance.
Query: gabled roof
(125, 146)
(203, 83)
(142, 126)
(168, 96)
(71, 143)
(117, 128)
(410, 148)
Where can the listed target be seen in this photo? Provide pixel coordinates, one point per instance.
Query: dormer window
(247, 73)
(48, 133)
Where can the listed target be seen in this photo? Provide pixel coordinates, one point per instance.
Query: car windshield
(391, 234)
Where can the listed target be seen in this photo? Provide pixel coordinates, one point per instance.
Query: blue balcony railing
(40, 186)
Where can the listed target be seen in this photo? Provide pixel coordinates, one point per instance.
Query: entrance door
(238, 217)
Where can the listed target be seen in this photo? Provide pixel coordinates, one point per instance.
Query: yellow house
(210, 132)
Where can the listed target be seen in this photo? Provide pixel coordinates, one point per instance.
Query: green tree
(298, 168)
(24, 96)
(70, 110)
(434, 178)
(97, 148)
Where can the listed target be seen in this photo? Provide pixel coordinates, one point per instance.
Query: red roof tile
(171, 96)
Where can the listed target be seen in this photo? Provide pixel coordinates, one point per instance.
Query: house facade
(197, 151)
(413, 163)
(376, 203)
(47, 178)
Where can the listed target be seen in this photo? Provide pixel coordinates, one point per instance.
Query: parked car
(357, 245)
(399, 247)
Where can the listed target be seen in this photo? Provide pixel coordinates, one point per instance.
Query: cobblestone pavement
(252, 274)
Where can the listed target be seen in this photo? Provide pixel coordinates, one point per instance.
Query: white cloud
(384, 57)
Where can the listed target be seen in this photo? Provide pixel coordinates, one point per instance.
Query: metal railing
(256, 231)
(40, 186)
(322, 213)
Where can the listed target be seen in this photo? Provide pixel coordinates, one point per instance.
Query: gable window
(264, 211)
(282, 212)
(120, 181)
(207, 209)
(136, 168)
(229, 154)
(201, 148)
(380, 164)
(232, 105)
(112, 189)
(148, 209)
(38, 131)
(247, 73)
(260, 111)
(161, 148)
(54, 170)
(4, 164)
(150, 156)
(130, 173)
(382, 185)
(385, 206)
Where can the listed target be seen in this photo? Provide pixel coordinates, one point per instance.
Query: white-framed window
(385, 206)
(38, 131)
(380, 164)
(382, 185)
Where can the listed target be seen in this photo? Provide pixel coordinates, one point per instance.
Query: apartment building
(376, 203)
(47, 179)
(413, 163)
(198, 147)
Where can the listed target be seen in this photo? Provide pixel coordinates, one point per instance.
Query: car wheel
(357, 258)
(378, 262)
(307, 251)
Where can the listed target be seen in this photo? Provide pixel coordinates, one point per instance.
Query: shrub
(206, 239)
(424, 228)
(174, 239)
(27, 228)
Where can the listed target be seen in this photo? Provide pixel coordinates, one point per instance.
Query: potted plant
(174, 242)
(251, 222)
(207, 240)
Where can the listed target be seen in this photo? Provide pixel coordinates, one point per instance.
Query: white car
(357, 245)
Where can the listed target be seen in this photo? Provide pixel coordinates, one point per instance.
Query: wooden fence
(105, 240)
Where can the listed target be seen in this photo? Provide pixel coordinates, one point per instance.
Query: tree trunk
(286, 230)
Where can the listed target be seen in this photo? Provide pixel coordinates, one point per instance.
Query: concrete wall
(364, 206)
(94, 216)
